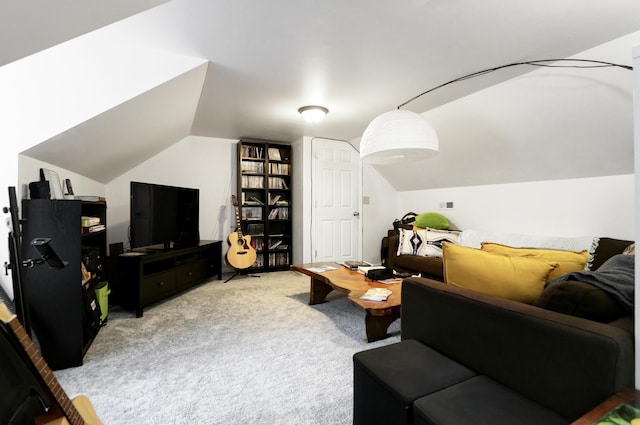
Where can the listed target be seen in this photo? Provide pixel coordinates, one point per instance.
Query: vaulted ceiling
(359, 58)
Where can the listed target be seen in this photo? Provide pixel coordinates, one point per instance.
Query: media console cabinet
(145, 276)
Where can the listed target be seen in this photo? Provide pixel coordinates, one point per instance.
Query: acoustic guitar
(63, 411)
(241, 254)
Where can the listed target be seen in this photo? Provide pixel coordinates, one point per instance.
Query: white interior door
(336, 223)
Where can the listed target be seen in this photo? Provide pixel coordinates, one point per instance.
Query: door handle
(356, 214)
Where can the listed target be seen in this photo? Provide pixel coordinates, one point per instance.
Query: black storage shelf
(59, 302)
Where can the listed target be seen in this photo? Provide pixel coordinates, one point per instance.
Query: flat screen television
(164, 215)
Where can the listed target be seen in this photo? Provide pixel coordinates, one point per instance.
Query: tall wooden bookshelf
(264, 192)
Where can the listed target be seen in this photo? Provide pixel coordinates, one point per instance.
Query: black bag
(380, 274)
(92, 259)
(406, 222)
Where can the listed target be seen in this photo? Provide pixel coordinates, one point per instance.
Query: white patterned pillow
(425, 242)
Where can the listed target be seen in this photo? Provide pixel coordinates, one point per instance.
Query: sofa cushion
(424, 242)
(480, 400)
(517, 278)
(580, 299)
(568, 261)
(388, 379)
(432, 220)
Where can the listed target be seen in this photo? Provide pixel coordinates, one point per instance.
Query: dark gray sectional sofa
(469, 358)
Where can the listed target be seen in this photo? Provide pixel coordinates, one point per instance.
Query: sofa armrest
(565, 363)
(393, 251)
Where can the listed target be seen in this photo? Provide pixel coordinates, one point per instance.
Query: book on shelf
(252, 201)
(376, 294)
(273, 199)
(279, 245)
(274, 153)
(86, 221)
(93, 229)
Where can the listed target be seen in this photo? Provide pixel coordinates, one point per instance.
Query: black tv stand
(148, 275)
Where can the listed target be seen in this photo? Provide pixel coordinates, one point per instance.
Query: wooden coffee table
(379, 314)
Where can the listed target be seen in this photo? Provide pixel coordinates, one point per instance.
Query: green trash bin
(102, 295)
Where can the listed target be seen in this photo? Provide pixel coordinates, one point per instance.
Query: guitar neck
(238, 226)
(13, 327)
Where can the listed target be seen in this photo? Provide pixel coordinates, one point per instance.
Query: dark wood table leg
(376, 326)
(319, 291)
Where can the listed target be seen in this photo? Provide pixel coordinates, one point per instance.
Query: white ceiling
(359, 58)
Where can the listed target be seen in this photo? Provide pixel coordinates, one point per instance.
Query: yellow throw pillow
(517, 278)
(568, 261)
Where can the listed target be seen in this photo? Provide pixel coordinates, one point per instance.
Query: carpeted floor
(250, 351)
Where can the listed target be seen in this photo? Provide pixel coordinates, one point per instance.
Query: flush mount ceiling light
(313, 114)
(402, 135)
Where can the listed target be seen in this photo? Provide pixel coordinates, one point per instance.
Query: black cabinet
(144, 276)
(264, 189)
(57, 297)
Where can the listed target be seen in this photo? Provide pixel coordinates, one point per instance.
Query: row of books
(253, 182)
(273, 200)
(275, 154)
(277, 200)
(252, 167)
(279, 168)
(280, 213)
(275, 244)
(280, 259)
(252, 152)
(257, 182)
(91, 225)
(277, 183)
(257, 152)
(274, 259)
(251, 213)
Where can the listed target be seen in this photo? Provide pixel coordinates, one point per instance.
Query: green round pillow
(432, 220)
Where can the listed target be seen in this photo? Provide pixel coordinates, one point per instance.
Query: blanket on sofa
(615, 276)
(474, 239)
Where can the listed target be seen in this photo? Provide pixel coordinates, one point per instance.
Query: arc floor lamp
(402, 135)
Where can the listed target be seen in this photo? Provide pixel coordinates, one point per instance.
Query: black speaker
(116, 249)
(39, 190)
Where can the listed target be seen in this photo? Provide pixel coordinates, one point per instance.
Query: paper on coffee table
(376, 294)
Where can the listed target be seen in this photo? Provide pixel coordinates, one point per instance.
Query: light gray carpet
(250, 351)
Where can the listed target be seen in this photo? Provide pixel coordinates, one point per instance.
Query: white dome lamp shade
(398, 136)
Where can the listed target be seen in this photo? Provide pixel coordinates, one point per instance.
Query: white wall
(636, 126)
(598, 206)
(378, 214)
(29, 171)
(301, 198)
(198, 162)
